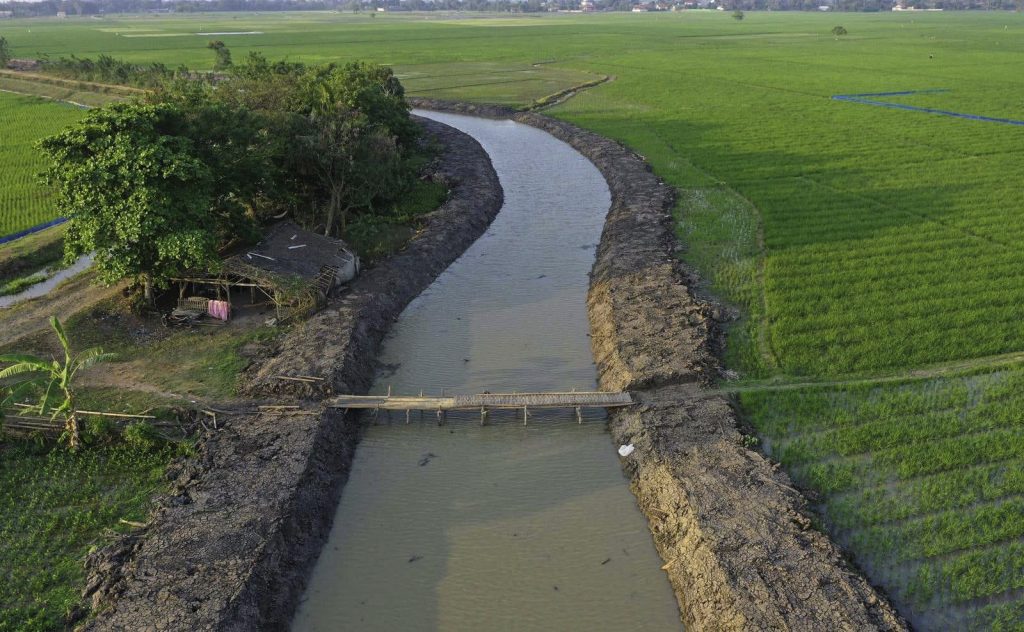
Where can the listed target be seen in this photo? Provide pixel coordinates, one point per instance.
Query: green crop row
(945, 490)
(925, 475)
(971, 575)
(950, 531)
(1000, 617)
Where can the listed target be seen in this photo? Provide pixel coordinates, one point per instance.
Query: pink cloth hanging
(219, 309)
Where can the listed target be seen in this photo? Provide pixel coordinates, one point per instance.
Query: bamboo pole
(102, 414)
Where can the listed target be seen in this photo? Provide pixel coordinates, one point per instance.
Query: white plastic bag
(626, 450)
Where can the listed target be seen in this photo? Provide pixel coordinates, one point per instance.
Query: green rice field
(24, 201)
(876, 255)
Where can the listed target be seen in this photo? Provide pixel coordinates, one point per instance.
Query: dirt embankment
(231, 547)
(735, 535)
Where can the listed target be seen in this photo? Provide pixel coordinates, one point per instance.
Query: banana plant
(54, 378)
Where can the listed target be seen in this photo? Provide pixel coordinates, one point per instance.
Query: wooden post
(483, 415)
(525, 415)
(579, 414)
(407, 413)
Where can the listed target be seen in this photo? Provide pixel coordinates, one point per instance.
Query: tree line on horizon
(38, 8)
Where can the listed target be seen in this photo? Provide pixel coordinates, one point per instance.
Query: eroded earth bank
(735, 535)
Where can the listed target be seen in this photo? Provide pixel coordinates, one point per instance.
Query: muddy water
(503, 527)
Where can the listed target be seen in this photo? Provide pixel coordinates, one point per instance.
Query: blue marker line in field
(863, 98)
(34, 229)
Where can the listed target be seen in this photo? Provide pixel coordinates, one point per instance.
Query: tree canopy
(156, 188)
(339, 137)
(141, 193)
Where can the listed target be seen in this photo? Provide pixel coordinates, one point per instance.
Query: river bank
(735, 535)
(231, 546)
(501, 525)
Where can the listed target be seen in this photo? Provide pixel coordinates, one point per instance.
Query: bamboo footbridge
(484, 402)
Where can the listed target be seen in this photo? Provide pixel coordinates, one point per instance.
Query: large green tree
(138, 192)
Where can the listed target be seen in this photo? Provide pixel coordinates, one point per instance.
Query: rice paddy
(858, 244)
(24, 202)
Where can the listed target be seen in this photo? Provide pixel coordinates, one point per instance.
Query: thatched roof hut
(293, 267)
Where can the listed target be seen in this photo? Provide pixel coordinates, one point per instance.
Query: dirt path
(77, 294)
(123, 375)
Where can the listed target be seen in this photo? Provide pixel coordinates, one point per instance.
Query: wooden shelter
(294, 268)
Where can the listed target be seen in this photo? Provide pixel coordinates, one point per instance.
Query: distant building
(6, 14)
(62, 14)
(587, 6)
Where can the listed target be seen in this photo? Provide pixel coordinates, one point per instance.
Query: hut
(292, 267)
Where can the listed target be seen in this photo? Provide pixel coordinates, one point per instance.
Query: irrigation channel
(505, 526)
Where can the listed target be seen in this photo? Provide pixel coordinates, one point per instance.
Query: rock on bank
(738, 546)
(232, 546)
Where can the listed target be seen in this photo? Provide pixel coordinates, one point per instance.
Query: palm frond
(17, 393)
(92, 356)
(22, 357)
(57, 327)
(22, 368)
(44, 402)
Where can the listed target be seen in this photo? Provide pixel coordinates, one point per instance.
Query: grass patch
(23, 283)
(31, 253)
(60, 90)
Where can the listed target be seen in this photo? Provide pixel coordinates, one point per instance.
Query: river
(505, 526)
